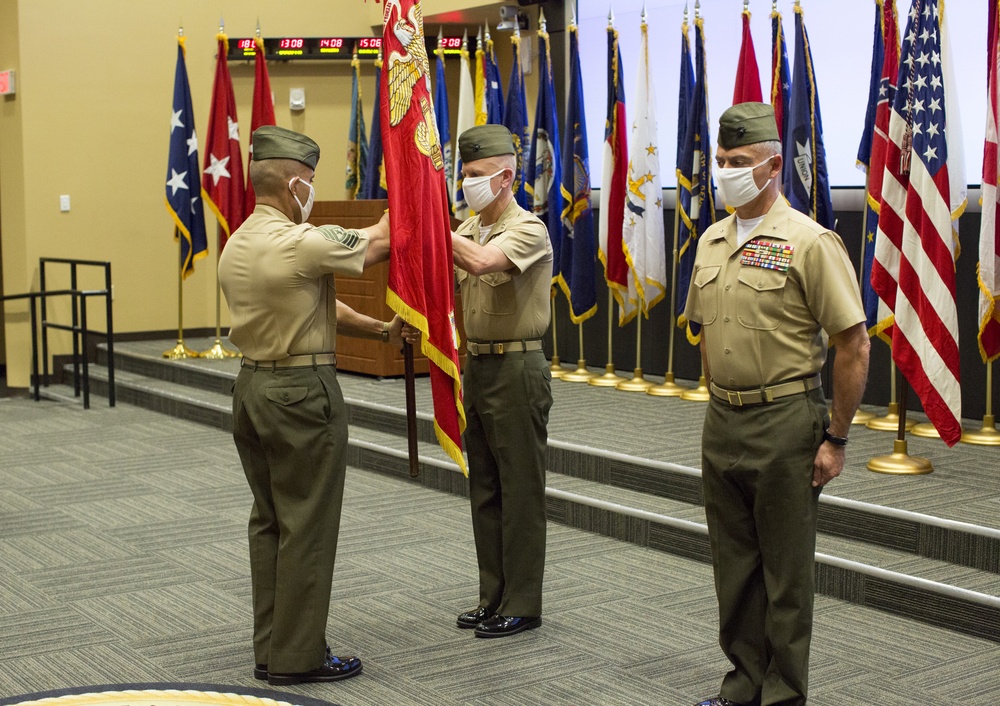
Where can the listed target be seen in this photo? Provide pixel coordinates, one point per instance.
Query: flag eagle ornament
(916, 245)
(421, 269)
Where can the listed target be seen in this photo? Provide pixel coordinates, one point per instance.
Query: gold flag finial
(486, 32)
(541, 20)
(257, 32)
(746, 5)
(222, 25)
(697, 9)
(611, 16)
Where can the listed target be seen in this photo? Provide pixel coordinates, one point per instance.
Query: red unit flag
(263, 110)
(421, 270)
(989, 234)
(747, 74)
(222, 172)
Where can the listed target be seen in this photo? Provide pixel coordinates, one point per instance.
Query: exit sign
(7, 82)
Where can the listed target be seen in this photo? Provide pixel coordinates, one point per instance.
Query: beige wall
(90, 119)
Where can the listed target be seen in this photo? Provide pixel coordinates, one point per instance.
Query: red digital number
(291, 43)
(332, 43)
(452, 42)
(245, 44)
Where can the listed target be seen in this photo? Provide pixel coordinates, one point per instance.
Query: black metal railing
(79, 327)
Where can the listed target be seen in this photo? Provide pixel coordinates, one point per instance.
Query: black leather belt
(309, 360)
(501, 347)
(769, 393)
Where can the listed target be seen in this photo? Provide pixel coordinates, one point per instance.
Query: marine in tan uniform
(504, 264)
(771, 289)
(289, 419)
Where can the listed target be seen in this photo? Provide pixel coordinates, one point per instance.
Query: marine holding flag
(504, 261)
(771, 288)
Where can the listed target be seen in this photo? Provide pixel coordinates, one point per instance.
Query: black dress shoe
(472, 618)
(717, 701)
(503, 625)
(260, 672)
(334, 668)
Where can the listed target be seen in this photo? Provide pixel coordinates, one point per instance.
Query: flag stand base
(218, 352)
(699, 394)
(668, 389)
(636, 384)
(609, 379)
(925, 430)
(890, 422)
(987, 436)
(900, 463)
(581, 374)
(180, 351)
(556, 368)
(862, 417)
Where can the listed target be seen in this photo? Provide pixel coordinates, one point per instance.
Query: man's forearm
(850, 375)
(356, 324)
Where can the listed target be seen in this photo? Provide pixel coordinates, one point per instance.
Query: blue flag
(374, 183)
(515, 119)
(780, 86)
(694, 182)
(357, 139)
(806, 183)
(543, 176)
(183, 177)
(577, 269)
(494, 89)
(443, 118)
(877, 90)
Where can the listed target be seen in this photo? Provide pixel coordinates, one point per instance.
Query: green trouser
(290, 428)
(507, 402)
(757, 467)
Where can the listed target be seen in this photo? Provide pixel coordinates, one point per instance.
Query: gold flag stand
(637, 383)
(988, 435)
(899, 462)
(180, 351)
(218, 351)
(581, 374)
(610, 378)
(700, 393)
(556, 368)
(668, 388)
(890, 422)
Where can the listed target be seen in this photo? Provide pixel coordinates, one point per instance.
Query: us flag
(916, 245)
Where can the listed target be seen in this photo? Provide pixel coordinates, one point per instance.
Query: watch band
(385, 332)
(835, 440)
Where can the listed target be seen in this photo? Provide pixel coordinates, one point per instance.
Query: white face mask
(478, 193)
(737, 186)
(307, 207)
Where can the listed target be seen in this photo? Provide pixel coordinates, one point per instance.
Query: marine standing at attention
(503, 259)
(289, 419)
(771, 289)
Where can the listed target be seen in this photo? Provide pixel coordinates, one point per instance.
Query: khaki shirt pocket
(499, 297)
(760, 301)
(706, 297)
(286, 395)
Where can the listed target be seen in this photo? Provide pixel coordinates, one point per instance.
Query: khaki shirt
(768, 308)
(514, 304)
(278, 280)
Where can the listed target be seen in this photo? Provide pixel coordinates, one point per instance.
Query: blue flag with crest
(515, 119)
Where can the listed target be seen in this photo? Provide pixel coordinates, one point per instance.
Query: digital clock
(287, 48)
(451, 45)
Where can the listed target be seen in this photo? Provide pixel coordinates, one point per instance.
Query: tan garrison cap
(747, 124)
(273, 142)
(485, 141)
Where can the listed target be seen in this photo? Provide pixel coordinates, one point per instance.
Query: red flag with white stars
(222, 172)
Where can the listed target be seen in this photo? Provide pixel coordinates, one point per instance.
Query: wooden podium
(366, 294)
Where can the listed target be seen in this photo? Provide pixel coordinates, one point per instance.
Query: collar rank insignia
(770, 256)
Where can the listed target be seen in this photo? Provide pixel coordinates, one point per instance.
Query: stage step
(894, 560)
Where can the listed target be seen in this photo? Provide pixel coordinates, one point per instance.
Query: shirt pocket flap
(286, 395)
(495, 279)
(763, 280)
(704, 275)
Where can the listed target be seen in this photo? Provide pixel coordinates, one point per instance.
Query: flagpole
(180, 351)
(861, 416)
(556, 368)
(669, 388)
(899, 462)
(891, 420)
(218, 351)
(581, 374)
(610, 378)
(988, 435)
(637, 383)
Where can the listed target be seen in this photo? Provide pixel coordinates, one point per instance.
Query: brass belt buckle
(498, 348)
(738, 399)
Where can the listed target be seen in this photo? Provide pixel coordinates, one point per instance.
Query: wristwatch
(840, 441)
(385, 334)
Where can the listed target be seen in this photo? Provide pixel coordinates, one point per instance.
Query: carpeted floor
(123, 559)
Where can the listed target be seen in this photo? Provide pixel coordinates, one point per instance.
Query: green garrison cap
(273, 142)
(747, 124)
(485, 141)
